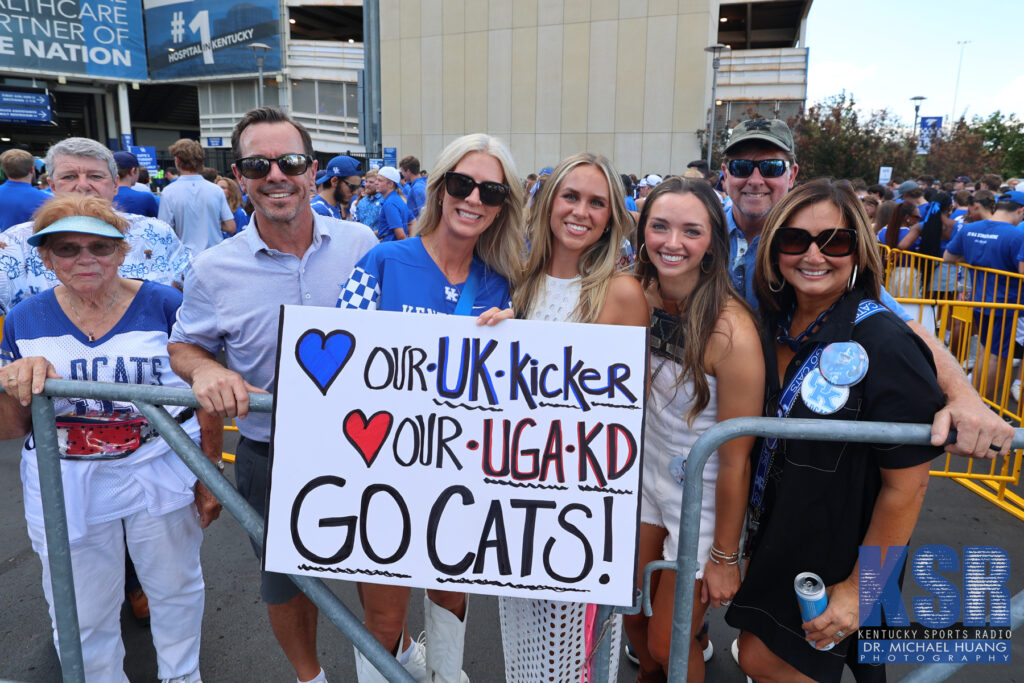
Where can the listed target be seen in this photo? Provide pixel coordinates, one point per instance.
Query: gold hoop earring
(640, 254)
(705, 263)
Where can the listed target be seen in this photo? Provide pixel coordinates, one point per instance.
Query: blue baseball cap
(126, 160)
(321, 176)
(83, 225)
(1014, 196)
(342, 167)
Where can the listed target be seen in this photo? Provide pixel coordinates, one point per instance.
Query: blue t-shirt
(630, 203)
(417, 195)
(990, 244)
(134, 201)
(320, 205)
(18, 201)
(368, 211)
(393, 214)
(401, 276)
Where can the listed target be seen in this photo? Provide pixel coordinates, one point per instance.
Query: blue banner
(94, 37)
(25, 107)
(146, 156)
(194, 38)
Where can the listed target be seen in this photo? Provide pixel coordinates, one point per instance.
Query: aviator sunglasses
(831, 242)
(257, 167)
(461, 186)
(72, 250)
(769, 168)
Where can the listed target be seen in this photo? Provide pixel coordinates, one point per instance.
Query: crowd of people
(745, 277)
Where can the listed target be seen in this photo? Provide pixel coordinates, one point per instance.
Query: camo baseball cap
(772, 131)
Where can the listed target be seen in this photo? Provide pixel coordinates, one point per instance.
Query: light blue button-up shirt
(234, 292)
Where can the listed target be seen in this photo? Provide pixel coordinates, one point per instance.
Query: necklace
(115, 297)
(794, 342)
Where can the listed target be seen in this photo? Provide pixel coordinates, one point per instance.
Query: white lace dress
(549, 640)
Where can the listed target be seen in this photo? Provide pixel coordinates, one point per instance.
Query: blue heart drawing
(322, 356)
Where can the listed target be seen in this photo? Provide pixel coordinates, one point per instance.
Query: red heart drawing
(367, 436)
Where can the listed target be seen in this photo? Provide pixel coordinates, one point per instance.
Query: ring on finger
(839, 635)
(726, 603)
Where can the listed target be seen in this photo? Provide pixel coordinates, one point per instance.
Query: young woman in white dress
(577, 222)
(706, 366)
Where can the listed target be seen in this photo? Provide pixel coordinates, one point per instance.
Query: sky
(884, 52)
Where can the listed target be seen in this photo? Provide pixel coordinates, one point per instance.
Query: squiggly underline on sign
(488, 582)
(624, 492)
(337, 570)
(545, 404)
(526, 486)
(615, 405)
(464, 405)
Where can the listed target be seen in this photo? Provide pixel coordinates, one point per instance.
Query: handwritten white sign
(423, 450)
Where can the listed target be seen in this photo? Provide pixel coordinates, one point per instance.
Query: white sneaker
(709, 651)
(417, 662)
(193, 677)
(1015, 390)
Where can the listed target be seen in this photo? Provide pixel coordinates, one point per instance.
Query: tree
(832, 139)
(1003, 135)
(962, 149)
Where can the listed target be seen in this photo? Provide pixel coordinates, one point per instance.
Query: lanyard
(468, 296)
(865, 309)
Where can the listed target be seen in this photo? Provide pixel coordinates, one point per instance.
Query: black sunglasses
(257, 167)
(831, 242)
(72, 250)
(461, 186)
(769, 168)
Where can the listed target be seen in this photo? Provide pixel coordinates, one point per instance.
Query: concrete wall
(625, 78)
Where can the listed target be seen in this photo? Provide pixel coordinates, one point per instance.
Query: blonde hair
(501, 245)
(74, 204)
(234, 192)
(597, 264)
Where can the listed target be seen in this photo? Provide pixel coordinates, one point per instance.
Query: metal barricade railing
(150, 401)
(975, 312)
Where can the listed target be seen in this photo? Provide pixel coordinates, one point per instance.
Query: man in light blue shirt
(194, 207)
(288, 255)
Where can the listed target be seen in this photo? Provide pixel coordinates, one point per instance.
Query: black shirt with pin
(820, 495)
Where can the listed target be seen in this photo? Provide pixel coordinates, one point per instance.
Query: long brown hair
(707, 301)
(895, 225)
(597, 264)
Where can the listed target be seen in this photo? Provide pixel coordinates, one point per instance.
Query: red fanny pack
(99, 436)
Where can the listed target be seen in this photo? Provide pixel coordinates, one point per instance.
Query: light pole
(917, 100)
(716, 52)
(260, 50)
(956, 88)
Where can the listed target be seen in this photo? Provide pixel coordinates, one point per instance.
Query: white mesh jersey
(551, 640)
(133, 352)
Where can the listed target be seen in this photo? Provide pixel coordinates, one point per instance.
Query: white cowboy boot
(446, 637)
(366, 672)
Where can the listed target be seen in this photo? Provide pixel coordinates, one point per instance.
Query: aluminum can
(810, 595)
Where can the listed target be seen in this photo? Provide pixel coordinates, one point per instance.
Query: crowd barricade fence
(976, 313)
(150, 401)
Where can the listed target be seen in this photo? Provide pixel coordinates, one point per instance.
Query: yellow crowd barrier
(975, 311)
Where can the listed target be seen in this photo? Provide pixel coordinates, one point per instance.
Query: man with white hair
(86, 167)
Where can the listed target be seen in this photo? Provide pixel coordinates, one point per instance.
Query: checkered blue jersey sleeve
(363, 287)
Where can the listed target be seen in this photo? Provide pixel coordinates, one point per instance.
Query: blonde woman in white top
(577, 223)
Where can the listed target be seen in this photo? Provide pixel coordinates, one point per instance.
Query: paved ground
(238, 645)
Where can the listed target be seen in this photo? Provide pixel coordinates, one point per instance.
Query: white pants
(165, 550)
